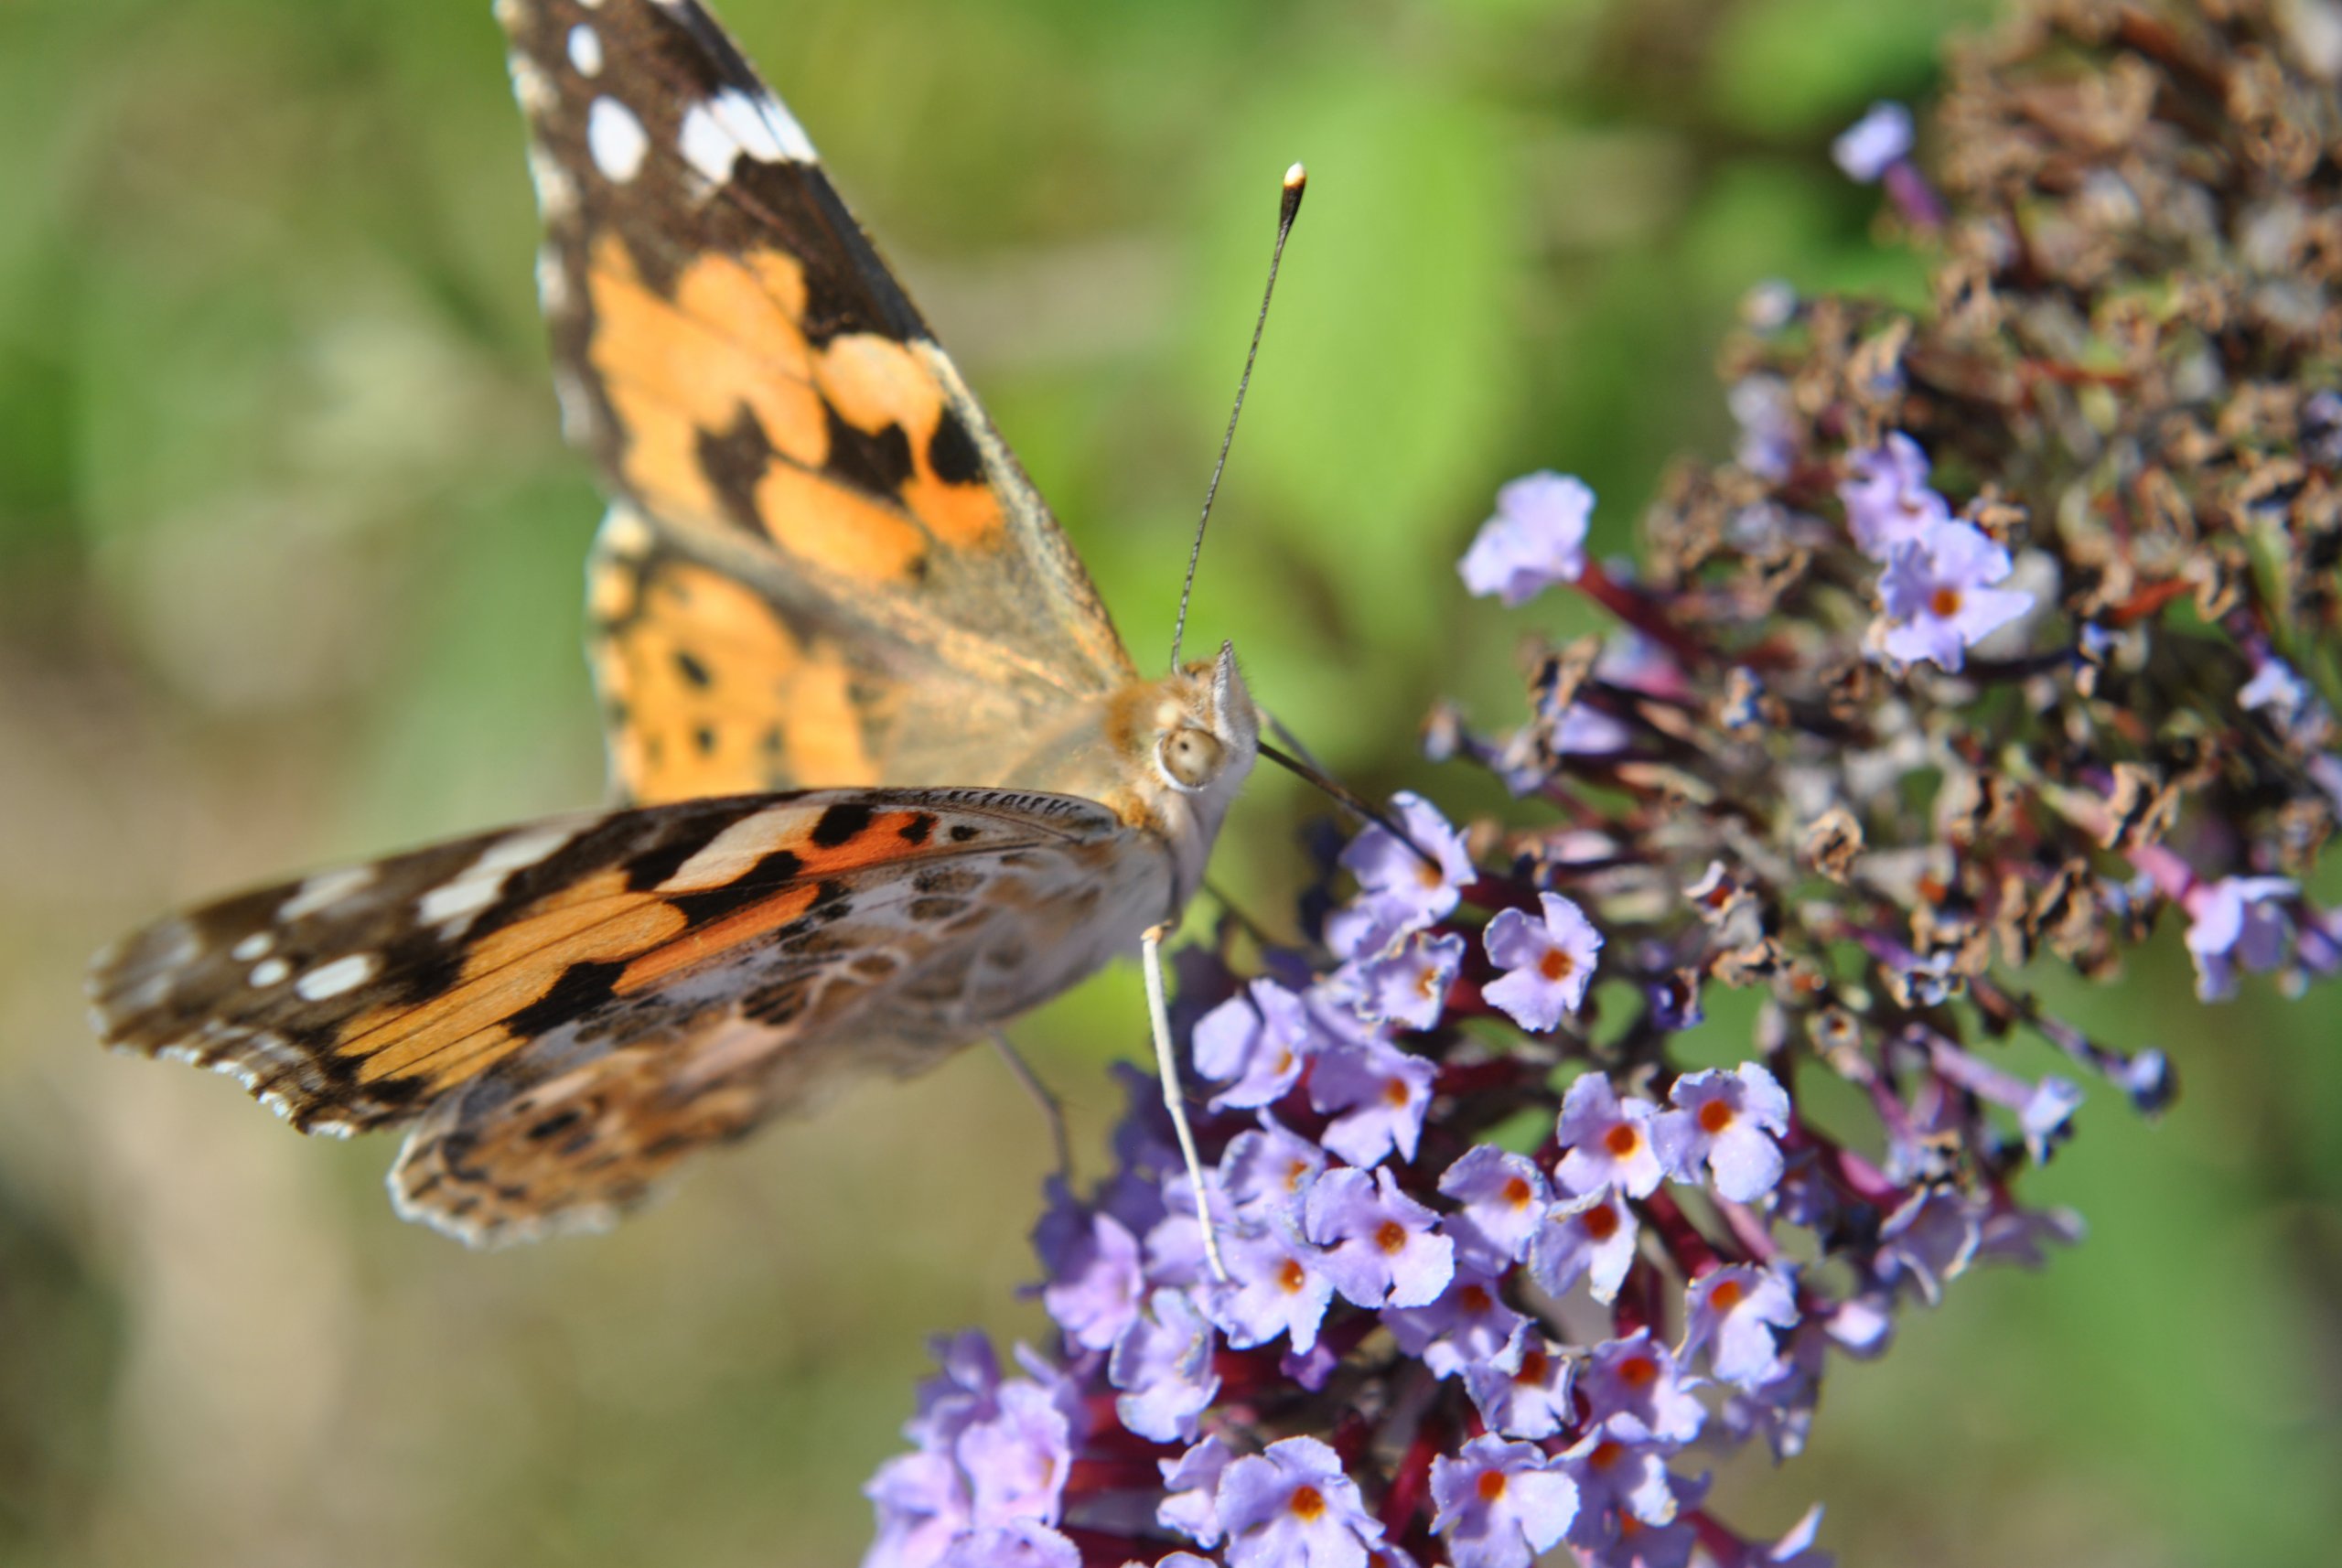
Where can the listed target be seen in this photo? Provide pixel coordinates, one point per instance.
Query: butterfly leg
(1158, 1013)
(1052, 1108)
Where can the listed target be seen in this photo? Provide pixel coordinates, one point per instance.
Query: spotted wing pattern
(563, 1010)
(788, 443)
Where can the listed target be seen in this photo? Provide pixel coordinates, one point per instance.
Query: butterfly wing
(563, 1010)
(824, 567)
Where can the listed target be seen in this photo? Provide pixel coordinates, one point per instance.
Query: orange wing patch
(849, 456)
(710, 690)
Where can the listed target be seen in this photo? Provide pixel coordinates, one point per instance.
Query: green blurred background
(289, 571)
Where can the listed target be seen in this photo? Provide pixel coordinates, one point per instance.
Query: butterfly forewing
(788, 439)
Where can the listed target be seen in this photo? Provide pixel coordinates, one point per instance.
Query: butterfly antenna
(1346, 798)
(1305, 767)
(1297, 180)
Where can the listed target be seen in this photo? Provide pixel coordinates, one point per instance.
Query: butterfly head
(1193, 739)
(1207, 731)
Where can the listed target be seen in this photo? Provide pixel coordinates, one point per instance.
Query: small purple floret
(1504, 1194)
(1400, 890)
(1939, 598)
(1735, 1314)
(1406, 984)
(1888, 500)
(1608, 1140)
(1548, 963)
(1501, 1504)
(1523, 1390)
(1591, 1237)
(1256, 1044)
(1377, 1094)
(1383, 1248)
(1163, 1364)
(1469, 1323)
(1536, 539)
(1275, 1286)
(1292, 1506)
(2237, 921)
(1726, 1122)
(1633, 1385)
(1096, 1283)
(1881, 138)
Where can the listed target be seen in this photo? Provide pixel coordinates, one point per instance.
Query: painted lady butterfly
(892, 778)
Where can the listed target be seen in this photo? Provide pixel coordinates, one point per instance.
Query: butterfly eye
(1191, 757)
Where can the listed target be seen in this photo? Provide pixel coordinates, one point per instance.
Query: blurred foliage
(289, 560)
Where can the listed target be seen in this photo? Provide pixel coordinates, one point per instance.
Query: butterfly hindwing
(565, 1009)
(773, 410)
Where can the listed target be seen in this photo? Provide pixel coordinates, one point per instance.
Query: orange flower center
(1474, 1299)
(1944, 602)
(1516, 1193)
(1726, 1296)
(1307, 1503)
(1427, 874)
(1291, 1277)
(1714, 1117)
(1605, 1453)
(1534, 1365)
(1556, 965)
(1622, 1139)
(1391, 1237)
(1601, 1222)
(1638, 1372)
(1394, 1093)
(1490, 1485)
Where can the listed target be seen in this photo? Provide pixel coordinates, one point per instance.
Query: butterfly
(888, 776)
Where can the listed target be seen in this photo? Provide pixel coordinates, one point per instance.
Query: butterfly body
(890, 778)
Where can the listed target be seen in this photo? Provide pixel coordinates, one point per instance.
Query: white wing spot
(557, 190)
(577, 419)
(624, 532)
(479, 885)
(714, 134)
(586, 50)
(185, 947)
(616, 139)
(253, 947)
(333, 979)
(268, 973)
(531, 88)
(323, 890)
(794, 143)
(552, 282)
(706, 146)
(465, 895)
(735, 849)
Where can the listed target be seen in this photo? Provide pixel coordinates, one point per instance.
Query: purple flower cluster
(1549, 1320)
(2010, 636)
